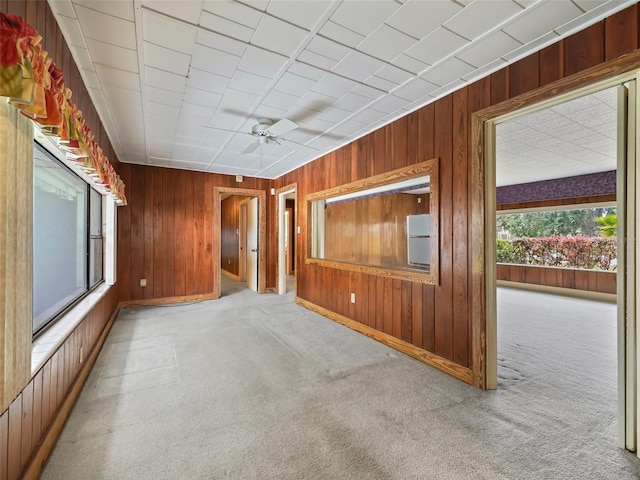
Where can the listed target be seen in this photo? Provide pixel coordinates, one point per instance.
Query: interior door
(252, 244)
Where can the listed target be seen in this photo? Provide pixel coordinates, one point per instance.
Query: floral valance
(35, 85)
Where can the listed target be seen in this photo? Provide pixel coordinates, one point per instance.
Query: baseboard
(568, 292)
(447, 366)
(167, 300)
(232, 276)
(50, 438)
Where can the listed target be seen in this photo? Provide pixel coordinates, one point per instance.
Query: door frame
(281, 268)
(217, 233)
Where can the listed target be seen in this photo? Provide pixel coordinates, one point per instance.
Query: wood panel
(588, 280)
(229, 233)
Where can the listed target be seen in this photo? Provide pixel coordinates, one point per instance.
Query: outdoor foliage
(608, 225)
(555, 250)
(560, 222)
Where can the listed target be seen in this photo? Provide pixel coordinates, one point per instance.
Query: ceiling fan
(267, 132)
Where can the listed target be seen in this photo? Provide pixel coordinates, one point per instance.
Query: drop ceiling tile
(205, 155)
(418, 19)
(160, 149)
(161, 79)
(122, 10)
(380, 83)
(368, 116)
(72, 31)
(304, 14)
(319, 61)
(481, 16)
(334, 115)
(579, 23)
(587, 5)
(298, 114)
(202, 97)
(265, 111)
(214, 61)
(161, 95)
(534, 23)
(280, 100)
(113, 56)
(333, 86)
(233, 11)
(447, 72)
(220, 42)
(315, 101)
(214, 138)
(155, 108)
(207, 81)
(531, 47)
(294, 84)
(90, 79)
(189, 11)
(436, 46)
(341, 34)
(350, 14)
(306, 71)
(357, 66)
(352, 102)
(328, 48)
(106, 28)
(319, 125)
(225, 27)
(62, 7)
(239, 101)
(183, 153)
(485, 70)
(155, 28)
(448, 88)
(165, 59)
(393, 74)
(388, 104)
(250, 83)
(367, 91)
(278, 36)
(415, 89)
(386, 43)
(82, 58)
(261, 62)
(118, 78)
(349, 127)
(410, 64)
(488, 49)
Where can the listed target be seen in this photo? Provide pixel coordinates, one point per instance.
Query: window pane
(95, 240)
(59, 238)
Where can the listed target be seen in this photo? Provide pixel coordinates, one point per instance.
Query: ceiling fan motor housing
(261, 129)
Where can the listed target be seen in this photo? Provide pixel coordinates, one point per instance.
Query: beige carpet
(255, 387)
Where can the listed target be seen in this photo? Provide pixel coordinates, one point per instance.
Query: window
(384, 225)
(67, 238)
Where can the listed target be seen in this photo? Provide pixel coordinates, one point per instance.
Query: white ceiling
(170, 78)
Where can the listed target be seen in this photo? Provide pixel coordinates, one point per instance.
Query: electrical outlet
(419, 200)
(298, 229)
(143, 282)
(353, 298)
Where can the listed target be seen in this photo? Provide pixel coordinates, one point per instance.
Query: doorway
(485, 123)
(248, 238)
(287, 214)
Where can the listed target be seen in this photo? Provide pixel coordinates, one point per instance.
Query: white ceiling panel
(349, 14)
(261, 62)
(531, 24)
(386, 43)
(122, 10)
(341, 34)
(304, 14)
(214, 61)
(113, 56)
(225, 27)
(420, 18)
(436, 46)
(106, 28)
(488, 49)
(209, 82)
(166, 59)
(278, 36)
(481, 16)
(188, 10)
(117, 78)
(358, 66)
(155, 28)
(161, 79)
(339, 69)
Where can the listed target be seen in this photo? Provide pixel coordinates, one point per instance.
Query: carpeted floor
(254, 387)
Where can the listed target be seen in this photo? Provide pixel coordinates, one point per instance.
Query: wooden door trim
(262, 234)
(279, 191)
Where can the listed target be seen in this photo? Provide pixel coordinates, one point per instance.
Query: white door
(252, 244)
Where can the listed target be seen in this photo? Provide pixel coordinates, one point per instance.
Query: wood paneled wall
(230, 228)
(437, 318)
(24, 425)
(166, 232)
(371, 231)
(588, 280)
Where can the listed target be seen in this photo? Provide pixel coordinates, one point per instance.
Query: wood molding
(49, 439)
(168, 300)
(232, 276)
(567, 292)
(447, 366)
(286, 188)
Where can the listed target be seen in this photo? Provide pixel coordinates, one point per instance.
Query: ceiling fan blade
(250, 148)
(226, 130)
(284, 140)
(282, 127)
